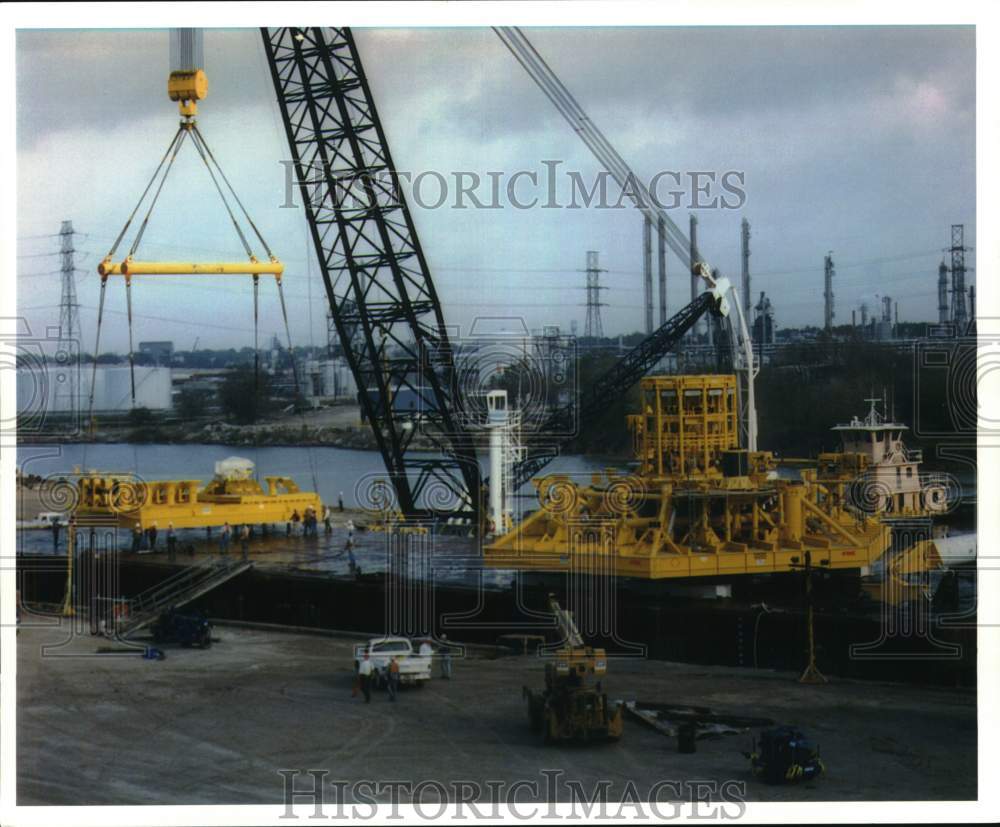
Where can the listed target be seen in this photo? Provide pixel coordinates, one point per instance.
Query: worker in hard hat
(393, 678)
(365, 674)
(171, 542)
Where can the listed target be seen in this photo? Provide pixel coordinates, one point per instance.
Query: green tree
(245, 395)
(140, 417)
(192, 403)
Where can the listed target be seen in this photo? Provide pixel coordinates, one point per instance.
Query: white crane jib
(742, 349)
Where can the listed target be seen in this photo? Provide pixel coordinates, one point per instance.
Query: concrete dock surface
(216, 726)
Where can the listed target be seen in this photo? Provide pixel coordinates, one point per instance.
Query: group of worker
(309, 522)
(146, 540)
(366, 670)
(244, 533)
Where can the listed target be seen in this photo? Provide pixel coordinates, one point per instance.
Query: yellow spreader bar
(177, 268)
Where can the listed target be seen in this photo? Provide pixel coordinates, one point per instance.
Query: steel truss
(379, 287)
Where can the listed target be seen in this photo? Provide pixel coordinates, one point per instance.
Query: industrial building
(159, 353)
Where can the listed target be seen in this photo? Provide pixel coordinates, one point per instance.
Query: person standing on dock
(151, 533)
(365, 674)
(340, 502)
(245, 541)
(350, 556)
(327, 526)
(224, 537)
(136, 538)
(393, 683)
(296, 519)
(171, 543)
(55, 535)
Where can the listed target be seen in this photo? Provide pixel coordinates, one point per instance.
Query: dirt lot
(215, 726)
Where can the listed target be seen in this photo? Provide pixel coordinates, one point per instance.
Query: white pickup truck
(413, 667)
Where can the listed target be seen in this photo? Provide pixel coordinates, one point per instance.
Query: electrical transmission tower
(958, 311)
(828, 274)
(592, 329)
(69, 325)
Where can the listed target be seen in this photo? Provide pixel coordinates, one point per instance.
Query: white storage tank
(113, 390)
(52, 389)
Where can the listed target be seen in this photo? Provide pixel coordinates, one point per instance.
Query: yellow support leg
(67, 608)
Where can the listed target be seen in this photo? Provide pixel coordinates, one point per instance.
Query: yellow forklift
(572, 707)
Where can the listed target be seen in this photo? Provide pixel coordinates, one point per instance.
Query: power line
(188, 322)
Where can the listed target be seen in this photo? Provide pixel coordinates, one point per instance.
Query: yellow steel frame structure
(130, 502)
(129, 268)
(681, 516)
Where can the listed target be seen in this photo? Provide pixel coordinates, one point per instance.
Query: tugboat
(893, 488)
(892, 485)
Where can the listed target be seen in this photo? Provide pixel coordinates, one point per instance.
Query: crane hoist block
(187, 85)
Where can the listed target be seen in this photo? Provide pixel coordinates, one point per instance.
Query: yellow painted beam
(175, 268)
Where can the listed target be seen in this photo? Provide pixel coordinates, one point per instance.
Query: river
(332, 472)
(337, 471)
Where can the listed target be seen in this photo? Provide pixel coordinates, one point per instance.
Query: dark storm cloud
(856, 139)
(70, 79)
(666, 73)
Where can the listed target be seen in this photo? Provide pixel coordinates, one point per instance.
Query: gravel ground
(215, 726)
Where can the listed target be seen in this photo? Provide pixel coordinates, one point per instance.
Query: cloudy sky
(859, 141)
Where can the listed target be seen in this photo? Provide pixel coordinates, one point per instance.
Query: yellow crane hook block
(187, 87)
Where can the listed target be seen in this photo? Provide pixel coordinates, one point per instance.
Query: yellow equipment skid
(236, 499)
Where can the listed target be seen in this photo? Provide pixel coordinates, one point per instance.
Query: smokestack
(828, 274)
(943, 312)
(647, 271)
(745, 274)
(661, 231)
(693, 235)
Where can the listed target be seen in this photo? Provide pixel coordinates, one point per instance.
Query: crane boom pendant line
(131, 350)
(172, 148)
(97, 351)
(546, 79)
(382, 298)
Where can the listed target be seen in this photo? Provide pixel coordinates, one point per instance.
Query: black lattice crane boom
(378, 283)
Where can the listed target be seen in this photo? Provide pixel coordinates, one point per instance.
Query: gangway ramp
(177, 590)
